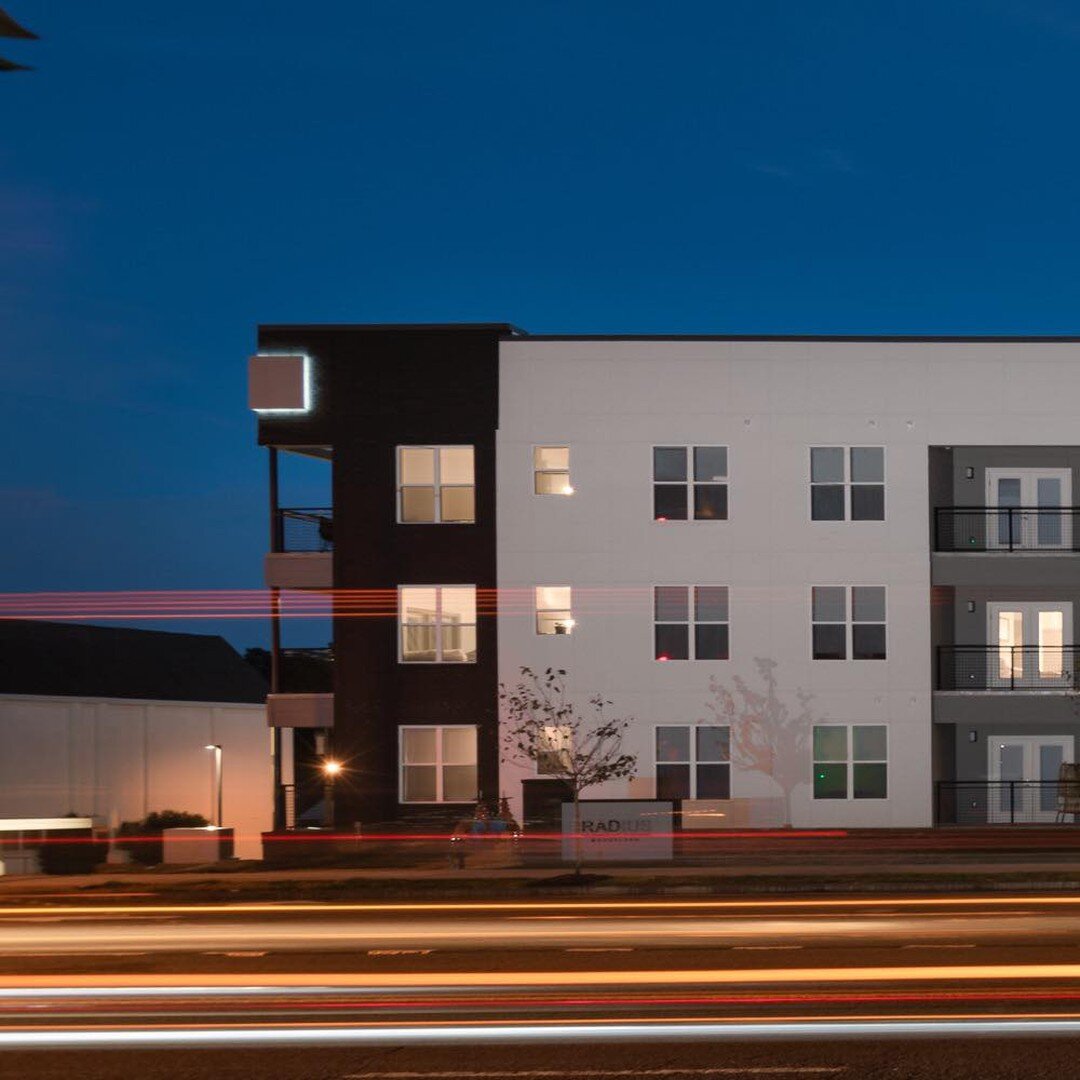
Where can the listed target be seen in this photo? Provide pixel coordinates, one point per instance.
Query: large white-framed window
(554, 612)
(437, 763)
(693, 761)
(551, 470)
(851, 761)
(437, 624)
(691, 622)
(690, 483)
(847, 483)
(436, 485)
(848, 621)
(1033, 643)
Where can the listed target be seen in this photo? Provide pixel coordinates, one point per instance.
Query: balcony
(1007, 802)
(303, 549)
(1015, 545)
(1004, 668)
(305, 697)
(998, 530)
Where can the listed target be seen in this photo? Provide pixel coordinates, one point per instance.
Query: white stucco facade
(118, 760)
(612, 401)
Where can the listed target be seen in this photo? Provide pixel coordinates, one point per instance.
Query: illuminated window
(437, 624)
(847, 483)
(690, 483)
(554, 756)
(436, 484)
(690, 622)
(850, 763)
(848, 621)
(693, 762)
(551, 470)
(553, 610)
(438, 764)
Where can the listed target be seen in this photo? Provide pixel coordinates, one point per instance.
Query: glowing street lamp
(216, 747)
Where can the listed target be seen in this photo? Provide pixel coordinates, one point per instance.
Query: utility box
(200, 845)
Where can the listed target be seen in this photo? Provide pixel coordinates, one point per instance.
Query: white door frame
(1027, 534)
(1033, 804)
(997, 666)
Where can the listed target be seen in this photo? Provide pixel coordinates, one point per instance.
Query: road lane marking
(599, 948)
(400, 952)
(236, 953)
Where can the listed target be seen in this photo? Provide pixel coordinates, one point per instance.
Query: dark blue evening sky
(173, 174)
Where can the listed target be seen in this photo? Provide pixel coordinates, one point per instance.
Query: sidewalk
(866, 860)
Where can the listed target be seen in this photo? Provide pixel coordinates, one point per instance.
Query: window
(847, 483)
(693, 762)
(835, 635)
(851, 763)
(437, 624)
(436, 485)
(551, 470)
(690, 482)
(553, 612)
(554, 755)
(684, 634)
(438, 764)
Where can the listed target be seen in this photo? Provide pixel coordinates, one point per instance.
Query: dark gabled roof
(76, 660)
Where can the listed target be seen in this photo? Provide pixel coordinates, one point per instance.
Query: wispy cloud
(823, 161)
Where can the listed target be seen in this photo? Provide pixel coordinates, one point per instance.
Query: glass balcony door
(1029, 509)
(1024, 759)
(1033, 645)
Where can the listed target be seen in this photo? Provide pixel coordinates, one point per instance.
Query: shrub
(80, 854)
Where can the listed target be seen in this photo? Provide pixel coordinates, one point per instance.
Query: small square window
(554, 614)
(436, 485)
(847, 483)
(860, 762)
(674, 619)
(551, 470)
(690, 481)
(835, 636)
(438, 764)
(693, 762)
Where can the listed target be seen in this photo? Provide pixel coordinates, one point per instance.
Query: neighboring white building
(868, 543)
(113, 724)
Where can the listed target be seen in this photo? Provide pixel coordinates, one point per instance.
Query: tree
(582, 746)
(9, 28)
(767, 737)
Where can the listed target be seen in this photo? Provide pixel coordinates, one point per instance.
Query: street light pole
(216, 747)
(331, 770)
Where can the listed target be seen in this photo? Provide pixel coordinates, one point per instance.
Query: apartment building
(830, 579)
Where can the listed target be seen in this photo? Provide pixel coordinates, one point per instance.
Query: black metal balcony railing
(1007, 802)
(306, 671)
(300, 529)
(1003, 529)
(1008, 667)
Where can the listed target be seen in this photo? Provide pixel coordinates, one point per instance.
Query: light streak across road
(532, 1032)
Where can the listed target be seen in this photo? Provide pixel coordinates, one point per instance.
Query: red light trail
(292, 603)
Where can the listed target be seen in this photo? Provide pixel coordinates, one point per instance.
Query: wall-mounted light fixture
(973, 736)
(969, 472)
(971, 607)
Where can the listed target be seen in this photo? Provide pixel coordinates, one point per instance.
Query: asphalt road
(881, 986)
